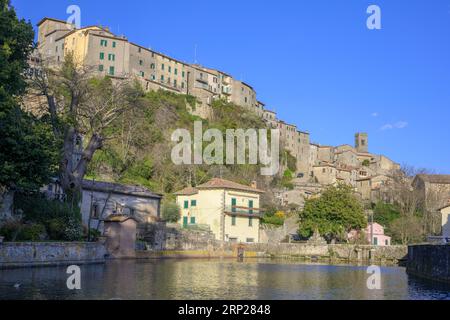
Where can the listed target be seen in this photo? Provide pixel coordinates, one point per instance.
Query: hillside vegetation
(139, 151)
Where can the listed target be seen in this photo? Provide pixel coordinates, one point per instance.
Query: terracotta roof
(217, 183)
(102, 186)
(52, 19)
(435, 178)
(189, 191)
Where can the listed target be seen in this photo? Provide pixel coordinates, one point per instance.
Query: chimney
(254, 185)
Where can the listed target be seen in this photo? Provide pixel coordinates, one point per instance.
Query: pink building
(377, 234)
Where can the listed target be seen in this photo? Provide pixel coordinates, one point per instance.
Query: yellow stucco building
(229, 209)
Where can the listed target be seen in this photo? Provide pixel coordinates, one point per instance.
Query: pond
(216, 279)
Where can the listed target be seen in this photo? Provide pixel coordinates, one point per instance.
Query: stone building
(435, 189)
(102, 199)
(445, 214)
(117, 57)
(228, 209)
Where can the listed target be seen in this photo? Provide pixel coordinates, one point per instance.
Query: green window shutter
(100, 67)
(250, 222)
(175, 71)
(233, 204)
(250, 205)
(114, 44)
(162, 66)
(170, 69)
(182, 74)
(192, 220)
(142, 74)
(186, 204)
(102, 55)
(111, 71)
(193, 203)
(162, 77)
(185, 221)
(233, 220)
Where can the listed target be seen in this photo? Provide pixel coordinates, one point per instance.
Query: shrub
(10, 230)
(171, 212)
(60, 220)
(17, 231)
(32, 232)
(275, 220)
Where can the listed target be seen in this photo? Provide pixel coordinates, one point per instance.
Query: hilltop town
(115, 56)
(113, 151)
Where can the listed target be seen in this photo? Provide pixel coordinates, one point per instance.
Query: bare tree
(410, 203)
(81, 105)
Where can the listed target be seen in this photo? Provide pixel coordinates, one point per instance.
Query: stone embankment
(429, 261)
(33, 254)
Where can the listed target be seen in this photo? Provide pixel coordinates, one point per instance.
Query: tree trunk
(72, 174)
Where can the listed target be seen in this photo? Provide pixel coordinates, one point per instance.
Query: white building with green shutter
(229, 209)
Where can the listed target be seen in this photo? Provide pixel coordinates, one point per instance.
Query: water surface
(215, 279)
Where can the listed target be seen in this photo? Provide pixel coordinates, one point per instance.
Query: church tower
(362, 142)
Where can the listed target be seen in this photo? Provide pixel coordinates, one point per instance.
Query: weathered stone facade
(31, 254)
(429, 261)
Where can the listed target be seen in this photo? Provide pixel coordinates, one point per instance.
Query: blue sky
(314, 62)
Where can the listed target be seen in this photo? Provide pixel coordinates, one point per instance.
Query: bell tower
(362, 142)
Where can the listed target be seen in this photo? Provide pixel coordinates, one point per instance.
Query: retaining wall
(429, 261)
(30, 254)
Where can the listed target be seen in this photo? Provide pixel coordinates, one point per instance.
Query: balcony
(226, 90)
(243, 211)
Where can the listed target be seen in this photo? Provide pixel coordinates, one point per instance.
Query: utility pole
(371, 227)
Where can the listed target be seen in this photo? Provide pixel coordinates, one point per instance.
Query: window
(192, 220)
(170, 69)
(102, 55)
(185, 221)
(193, 203)
(139, 50)
(375, 241)
(175, 83)
(152, 66)
(182, 74)
(175, 71)
(162, 66)
(114, 44)
(162, 78)
(142, 74)
(186, 204)
(95, 211)
(153, 77)
(182, 85)
(386, 242)
(250, 222)
(111, 70)
(141, 62)
(250, 205)
(233, 204)
(103, 43)
(250, 240)
(233, 220)
(111, 57)
(100, 67)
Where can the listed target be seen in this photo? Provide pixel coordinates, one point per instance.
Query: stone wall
(345, 252)
(174, 242)
(162, 236)
(430, 262)
(31, 254)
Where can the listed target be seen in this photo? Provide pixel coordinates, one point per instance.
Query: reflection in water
(216, 279)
